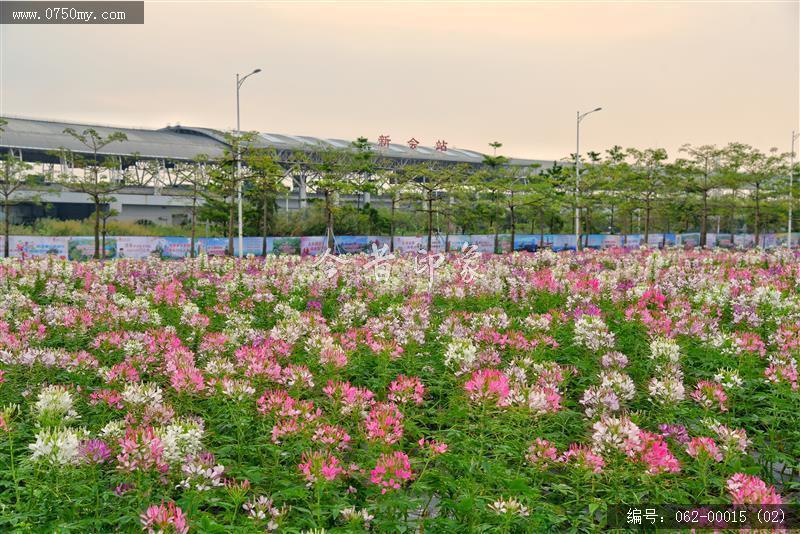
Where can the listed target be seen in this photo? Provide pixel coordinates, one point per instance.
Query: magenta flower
(653, 451)
(748, 489)
(161, 518)
(405, 390)
(95, 451)
(432, 447)
(541, 453)
(704, 448)
(317, 466)
(391, 471)
(707, 393)
(385, 423)
(488, 386)
(583, 457)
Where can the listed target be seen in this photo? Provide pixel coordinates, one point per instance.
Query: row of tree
(746, 187)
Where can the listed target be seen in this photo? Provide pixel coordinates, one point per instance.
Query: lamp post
(578, 175)
(239, 82)
(791, 192)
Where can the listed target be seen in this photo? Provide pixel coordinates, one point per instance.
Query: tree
(224, 181)
(12, 179)
(95, 185)
(522, 188)
(700, 178)
(329, 177)
(646, 180)
(396, 186)
(429, 183)
(759, 172)
(266, 181)
(489, 181)
(196, 176)
(363, 169)
(105, 215)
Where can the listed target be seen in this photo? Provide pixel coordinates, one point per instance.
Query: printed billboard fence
(139, 247)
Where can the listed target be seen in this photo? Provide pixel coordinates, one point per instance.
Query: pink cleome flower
(652, 450)
(583, 457)
(488, 386)
(541, 453)
(391, 471)
(704, 448)
(749, 489)
(406, 389)
(385, 423)
(164, 518)
(707, 393)
(318, 466)
(432, 447)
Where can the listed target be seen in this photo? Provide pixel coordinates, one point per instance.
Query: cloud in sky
(664, 73)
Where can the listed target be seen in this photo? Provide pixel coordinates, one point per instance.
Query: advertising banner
(285, 245)
(593, 241)
(563, 242)
(483, 243)
(174, 247)
(744, 240)
(136, 247)
(406, 244)
(690, 240)
(612, 241)
(253, 246)
(32, 245)
(352, 244)
(769, 240)
(457, 241)
(378, 241)
(631, 240)
(214, 246)
(312, 245)
(781, 240)
(724, 240)
(527, 242)
(437, 243)
(82, 248)
(655, 240)
(504, 243)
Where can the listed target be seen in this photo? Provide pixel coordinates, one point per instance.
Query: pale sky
(665, 73)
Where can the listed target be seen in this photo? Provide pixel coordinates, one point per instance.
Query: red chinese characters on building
(413, 143)
(384, 140)
(441, 145)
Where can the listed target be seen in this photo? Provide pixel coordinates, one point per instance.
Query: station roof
(184, 143)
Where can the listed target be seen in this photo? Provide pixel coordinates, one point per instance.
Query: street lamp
(791, 193)
(239, 82)
(578, 175)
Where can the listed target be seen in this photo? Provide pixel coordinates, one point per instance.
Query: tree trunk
(513, 227)
(647, 209)
(430, 220)
(264, 228)
(329, 220)
(230, 227)
(6, 224)
(758, 215)
(96, 228)
(391, 226)
(704, 220)
(194, 218)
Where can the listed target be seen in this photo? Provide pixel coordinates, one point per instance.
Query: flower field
(518, 393)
